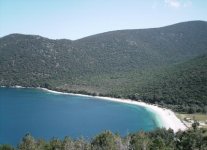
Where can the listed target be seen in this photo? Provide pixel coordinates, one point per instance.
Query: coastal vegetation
(162, 139)
(165, 66)
(188, 119)
(103, 75)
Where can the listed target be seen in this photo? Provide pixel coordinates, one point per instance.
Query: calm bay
(46, 115)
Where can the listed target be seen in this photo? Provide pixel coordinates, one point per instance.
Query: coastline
(166, 118)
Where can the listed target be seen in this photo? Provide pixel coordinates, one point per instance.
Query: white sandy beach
(167, 117)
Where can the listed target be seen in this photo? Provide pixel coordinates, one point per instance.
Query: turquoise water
(46, 115)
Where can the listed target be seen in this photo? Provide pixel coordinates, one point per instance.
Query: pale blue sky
(73, 19)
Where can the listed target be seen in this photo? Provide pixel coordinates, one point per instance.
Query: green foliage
(68, 144)
(104, 141)
(166, 66)
(6, 147)
(55, 144)
(160, 139)
(81, 144)
(182, 87)
(191, 140)
(27, 143)
(140, 141)
(195, 125)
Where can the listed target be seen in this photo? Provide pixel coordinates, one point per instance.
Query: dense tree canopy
(160, 139)
(162, 65)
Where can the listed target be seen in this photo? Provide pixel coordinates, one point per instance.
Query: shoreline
(166, 118)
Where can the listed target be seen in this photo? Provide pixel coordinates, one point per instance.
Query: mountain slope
(182, 87)
(118, 63)
(138, 49)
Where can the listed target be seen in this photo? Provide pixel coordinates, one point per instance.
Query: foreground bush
(160, 139)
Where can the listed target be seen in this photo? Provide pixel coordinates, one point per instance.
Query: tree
(6, 147)
(158, 143)
(81, 144)
(195, 125)
(139, 141)
(104, 141)
(68, 144)
(27, 143)
(55, 144)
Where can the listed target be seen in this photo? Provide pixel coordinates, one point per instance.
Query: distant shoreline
(166, 118)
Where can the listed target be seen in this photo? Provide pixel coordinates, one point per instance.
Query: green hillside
(164, 65)
(182, 87)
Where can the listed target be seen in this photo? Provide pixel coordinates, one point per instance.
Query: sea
(47, 115)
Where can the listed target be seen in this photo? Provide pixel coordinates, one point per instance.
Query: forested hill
(182, 87)
(110, 63)
(136, 49)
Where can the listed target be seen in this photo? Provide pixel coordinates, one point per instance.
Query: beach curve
(166, 117)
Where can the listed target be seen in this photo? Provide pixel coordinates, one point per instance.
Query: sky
(74, 19)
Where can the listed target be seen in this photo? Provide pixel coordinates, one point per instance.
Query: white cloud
(173, 3)
(178, 3)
